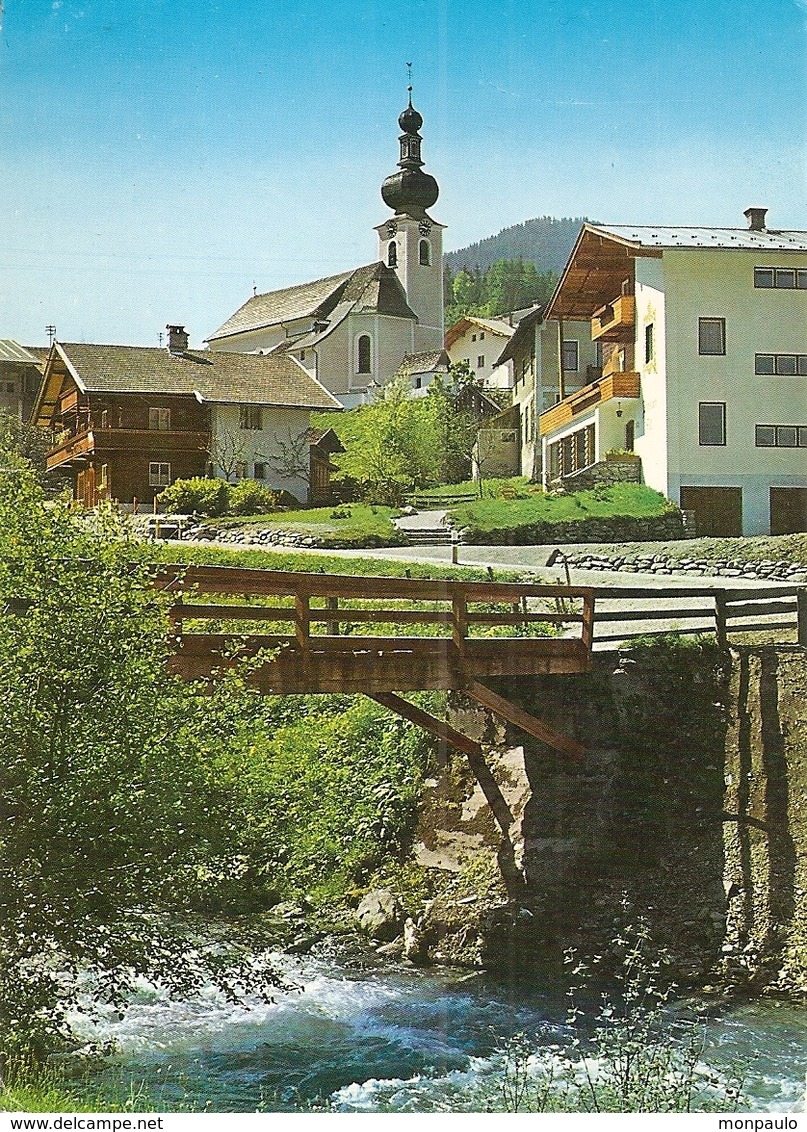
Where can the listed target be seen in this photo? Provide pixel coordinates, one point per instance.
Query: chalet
(479, 343)
(129, 420)
(704, 368)
(544, 373)
(20, 375)
(351, 331)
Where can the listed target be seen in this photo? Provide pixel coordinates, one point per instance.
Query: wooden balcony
(624, 386)
(147, 441)
(615, 321)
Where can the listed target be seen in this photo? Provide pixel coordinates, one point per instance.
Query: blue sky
(158, 159)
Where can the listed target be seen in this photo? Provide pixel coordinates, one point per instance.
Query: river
(370, 1037)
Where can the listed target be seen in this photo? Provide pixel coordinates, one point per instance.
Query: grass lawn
(352, 524)
(256, 559)
(621, 500)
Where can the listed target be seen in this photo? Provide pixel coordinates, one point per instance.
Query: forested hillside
(545, 241)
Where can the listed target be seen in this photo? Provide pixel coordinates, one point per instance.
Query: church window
(425, 253)
(364, 354)
(392, 255)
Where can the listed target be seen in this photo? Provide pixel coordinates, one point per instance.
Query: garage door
(788, 510)
(718, 510)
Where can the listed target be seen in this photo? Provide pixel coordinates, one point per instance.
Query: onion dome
(411, 191)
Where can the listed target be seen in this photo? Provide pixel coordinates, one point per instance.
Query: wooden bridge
(380, 636)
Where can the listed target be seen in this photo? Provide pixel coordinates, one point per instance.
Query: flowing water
(368, 1037)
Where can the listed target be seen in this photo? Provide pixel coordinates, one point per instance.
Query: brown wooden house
(129, 420)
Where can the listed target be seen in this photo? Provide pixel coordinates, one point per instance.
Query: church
(354, 331)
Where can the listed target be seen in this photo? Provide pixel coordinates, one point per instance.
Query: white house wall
(251, 446)
(650, 414)
(720, 284)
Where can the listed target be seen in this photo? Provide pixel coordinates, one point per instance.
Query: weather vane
(409, 74)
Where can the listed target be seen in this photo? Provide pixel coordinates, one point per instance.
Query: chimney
(756, 219)
(177, 339)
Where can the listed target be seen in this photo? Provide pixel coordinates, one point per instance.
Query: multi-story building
(534, 353)
(704, 368)
(479, 343)
(129, 420)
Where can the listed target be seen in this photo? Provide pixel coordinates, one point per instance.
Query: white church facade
(352, 331)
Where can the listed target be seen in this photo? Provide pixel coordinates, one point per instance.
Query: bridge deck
(339, 633)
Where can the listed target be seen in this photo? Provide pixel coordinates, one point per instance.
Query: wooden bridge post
(302, 621)
(721, 618)
(801, 615)
(459, 624)
(332, 627)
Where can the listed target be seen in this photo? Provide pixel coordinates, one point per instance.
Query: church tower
(411, 242)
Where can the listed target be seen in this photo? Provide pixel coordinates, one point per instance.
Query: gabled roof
(662, 236)
(374, 288)
(428, 361)
(603, 257)
(494, 325)
(11, 351)
(274, 379)
(522, 334)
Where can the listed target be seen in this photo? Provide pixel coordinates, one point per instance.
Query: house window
(425, 253)
(711, 335)
(104, 418)
(364, 355)
(160, 419)
(9, 387)
(392, 254)
(473, 337)
(649, 344)
(159, 474)
(571, 356)
(482, 336)
(782, 365)
(785, 278)
(103, 477)
(259, 471)
(712, 423)
(240, 470)
(480, 362)
(250, 417)
(780, 436)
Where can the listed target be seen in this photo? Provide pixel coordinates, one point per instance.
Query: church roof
(213, 376)
(373, 287)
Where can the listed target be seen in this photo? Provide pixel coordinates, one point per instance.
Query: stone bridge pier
(687, 811)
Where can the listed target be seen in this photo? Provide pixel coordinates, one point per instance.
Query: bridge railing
(340, 611)
(628, 611)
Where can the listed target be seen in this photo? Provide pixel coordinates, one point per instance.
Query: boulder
(380, 915)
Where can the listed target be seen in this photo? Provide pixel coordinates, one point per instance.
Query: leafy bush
(117, 820)
(200, 496)
(248, 497)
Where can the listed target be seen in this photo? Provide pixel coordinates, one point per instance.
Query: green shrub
(248, 497)
(198, 495)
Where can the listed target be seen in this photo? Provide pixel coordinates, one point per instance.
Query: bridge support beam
(526, 722)
(428, 722)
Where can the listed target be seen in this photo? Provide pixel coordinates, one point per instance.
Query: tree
(392, 445)
(292, 460)
(114, 819)
(21, 439)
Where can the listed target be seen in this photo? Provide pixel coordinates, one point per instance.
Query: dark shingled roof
(522, 333)
(217, 376)
(374, 287)
(428, 361)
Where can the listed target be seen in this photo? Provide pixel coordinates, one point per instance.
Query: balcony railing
(153, 441)
(625, 386)
(615, 321)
